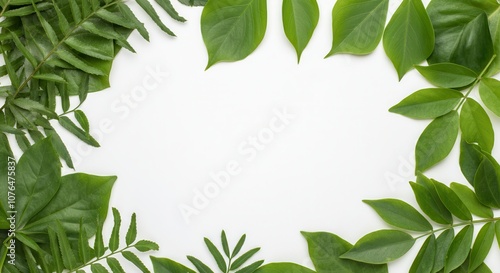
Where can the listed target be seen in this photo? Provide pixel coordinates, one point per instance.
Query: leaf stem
(472, 222)
(478, 79)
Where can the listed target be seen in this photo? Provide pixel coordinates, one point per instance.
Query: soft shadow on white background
(165, 135)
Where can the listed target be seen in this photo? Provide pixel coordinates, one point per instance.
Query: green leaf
(452, 202)
(131, 257)
(459, 249)
(225, 244)
(233, 29)
(164, 265)
(283, 268)
(489, 90)
(470, 158)
(69, 125)
(114, 265)
(300, 18)
(443, 243)
(68, 257)
(437, 141)
(464, 39)
(50, 77)
(54, 249)
(475, 125)
(148, 8)
(84, 250)
(448, 75)
(192, 3)
(37, 180)
(221, 263)
(482, 246)
(202, 268)
(424, 262)
(497, 231)
(428, 103)
(99, 248)
(79, 63)
(251, 268)
(486, 183)
(167, 6)
(77, 191)
(98, 268)
(59, 146)
(325, 250)
(429, 201)
(400, 214)
(130, 18)
(144, 246)
(239, 245)
(27, 241)
(409, 36)
(34, 106)
(10, 130)
(132, 231)
(114, 240)
(244, 258)
(380, 247)
(470, 200)
(358, 25)
(91, 45)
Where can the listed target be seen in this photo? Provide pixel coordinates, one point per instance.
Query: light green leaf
(114, 265)
(459, 249)
(452, 202)
(437, 141)
(244, 258)
(358, 25)
(167, 6)
(98, 268)
(131, 257)
(424, 262)
(50, 77)
(300, 18)
(37, 180)
(221, 263)
(448, 75)
(34, 106)
(400, 214)
(77, 191)
(486, 183)
(429, 201)
(470, 200)
(195, 3)
(489, 90)
(409, 36)
(428, 103)
(114, 240)
(464, 39)
(91, 45)
(144, 246)
(325, 250)
(164, 265)
(233, 29)
(203, 268)
(132, 231)
(380, 247)
(4, 128)
(283, 268)
(482, 246)
(475, 125)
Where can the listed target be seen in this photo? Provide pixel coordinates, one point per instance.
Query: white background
(343, 145)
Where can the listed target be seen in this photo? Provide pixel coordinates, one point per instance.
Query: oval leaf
(428, 103)
(300, 18)
(437, 141)
(409, 36)
(482, 246)
(443, 243)
(424, 262)
(448, 75)
(459, 249)
(233, 29)
(380, 247)
(283, 268)
(452, 202)
(476, 125)
(358, 25)
(470, 200)
(486, 183)
(400, 214)
(489, 90)
(163, 265)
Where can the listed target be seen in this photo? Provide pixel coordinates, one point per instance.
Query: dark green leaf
(489, 89)
(251, 268)
(10, 130)
(358, 25)
(430, 203)
(84, 250)
(459, 249)
(114, 240)
(54, 248)
(409, 36)
(79, 63)
(239, 245)
(448, 75)
(452, 202)
(233, 29)
(283, 268)
(437, 141)
(144, 246)
(167, 6)
(164, 265)
(225, 244)
(486, 183)
(424, 262)
(380, 247)
(192, 3)
(203, 268)
(132, 231)
(244, 258)
(400, 214)
(146, 6)
(470, 200)
(99, 248)
(497, 231)
(325, 250)
(69, 259)
(475, 125)
(482, 246)
(91, 45)
(98, 268)
(115, 265)
(428, 103)
(470, 158)
(50, 77)
(131, 257)
(69, 125)
(300, 18)
(221, 263)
